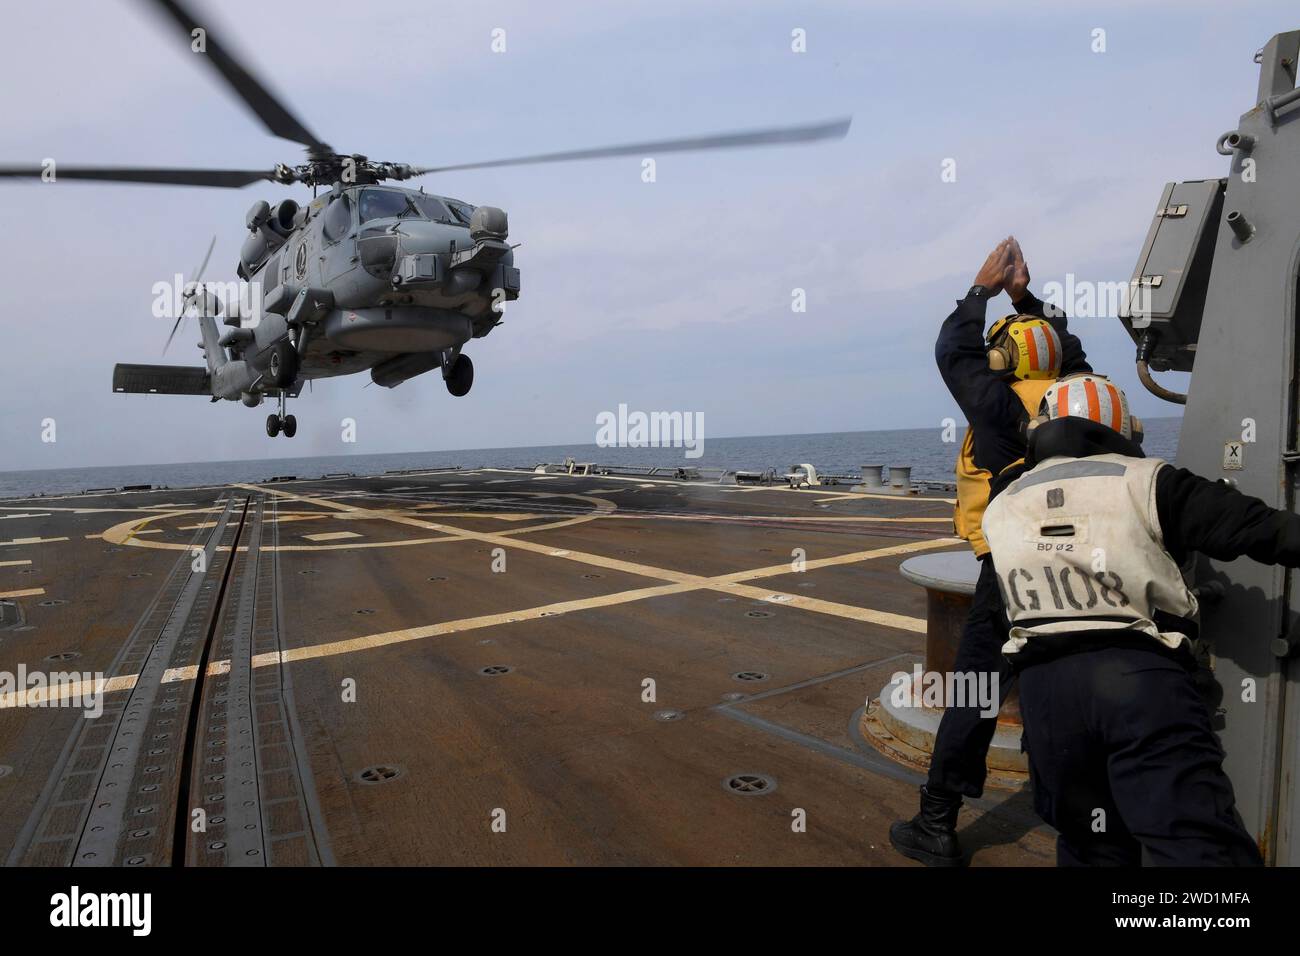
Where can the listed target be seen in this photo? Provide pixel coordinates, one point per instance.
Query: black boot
(931, 835)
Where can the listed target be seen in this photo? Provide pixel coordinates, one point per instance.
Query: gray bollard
(871, 479)
(900, 479)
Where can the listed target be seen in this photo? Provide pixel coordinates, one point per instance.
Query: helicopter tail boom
(212, 349)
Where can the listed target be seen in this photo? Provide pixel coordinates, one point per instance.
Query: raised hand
(998, 268)
(1017, 283)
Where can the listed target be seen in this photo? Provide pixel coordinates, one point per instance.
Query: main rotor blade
(779, 136)
(274, 114)
(226, 178)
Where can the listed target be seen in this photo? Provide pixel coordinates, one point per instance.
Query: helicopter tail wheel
(273, 425)
(290, 426)
(461, 376)
(283, 367)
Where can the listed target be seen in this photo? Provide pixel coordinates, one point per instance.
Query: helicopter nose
(381, 245)
(488, 222)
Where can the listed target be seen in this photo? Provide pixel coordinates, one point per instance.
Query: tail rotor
(193, 290)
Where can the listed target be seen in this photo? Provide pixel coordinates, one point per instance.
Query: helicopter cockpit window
(338, 217)
(387, 204)
(462, 210)
(433, 208)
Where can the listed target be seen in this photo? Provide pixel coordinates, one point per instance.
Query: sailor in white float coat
(1087, 545)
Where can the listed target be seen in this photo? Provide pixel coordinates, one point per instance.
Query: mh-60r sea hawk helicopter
(366, 275)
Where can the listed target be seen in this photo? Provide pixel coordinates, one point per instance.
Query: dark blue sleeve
(992, 409)
(1197, 514)
(1073, 359)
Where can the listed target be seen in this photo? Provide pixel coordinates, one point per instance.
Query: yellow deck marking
(126, 533)
(849, 611)
(22, 541)
(29, 592)
(676, 583)
(844, 494)
(603, 561)
(37, 696)
(786, 519)
(726, 583)
(853, 557)
(331, 535)
(14, 564)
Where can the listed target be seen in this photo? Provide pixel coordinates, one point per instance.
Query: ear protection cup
(1000, 359)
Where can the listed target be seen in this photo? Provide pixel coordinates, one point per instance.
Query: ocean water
(832, 453)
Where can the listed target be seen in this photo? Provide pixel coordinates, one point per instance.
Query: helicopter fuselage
(365, 277)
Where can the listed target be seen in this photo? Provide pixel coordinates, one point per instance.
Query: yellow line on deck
(677, 582)
(29, 592)
(726, 583)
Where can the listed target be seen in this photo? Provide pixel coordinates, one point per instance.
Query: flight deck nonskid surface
(450, 668)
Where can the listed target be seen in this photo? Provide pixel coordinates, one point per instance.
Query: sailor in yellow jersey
(998, 381)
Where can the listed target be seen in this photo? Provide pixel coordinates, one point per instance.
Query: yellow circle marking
(126, 532)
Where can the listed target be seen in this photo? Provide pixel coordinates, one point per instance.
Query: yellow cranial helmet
(1024, 347)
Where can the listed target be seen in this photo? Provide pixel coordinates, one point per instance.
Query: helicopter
(367, 275)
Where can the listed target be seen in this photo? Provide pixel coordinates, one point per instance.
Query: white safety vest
(1077, 545)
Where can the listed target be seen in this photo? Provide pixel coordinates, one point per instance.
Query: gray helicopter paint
(1244, 372)
(371, 321)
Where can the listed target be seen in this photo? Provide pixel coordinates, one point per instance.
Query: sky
(674, 295)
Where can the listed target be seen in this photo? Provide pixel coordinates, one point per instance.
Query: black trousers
(962, 743)
(1123, 758)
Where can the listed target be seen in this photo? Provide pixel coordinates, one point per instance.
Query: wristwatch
(978, 290)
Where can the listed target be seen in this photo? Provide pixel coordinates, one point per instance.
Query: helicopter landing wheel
(289, 425)
(461, 377)
(282, 369)
(272, 425)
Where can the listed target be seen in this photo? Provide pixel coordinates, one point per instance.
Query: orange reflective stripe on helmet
(1092, 397)
(1115, 404)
